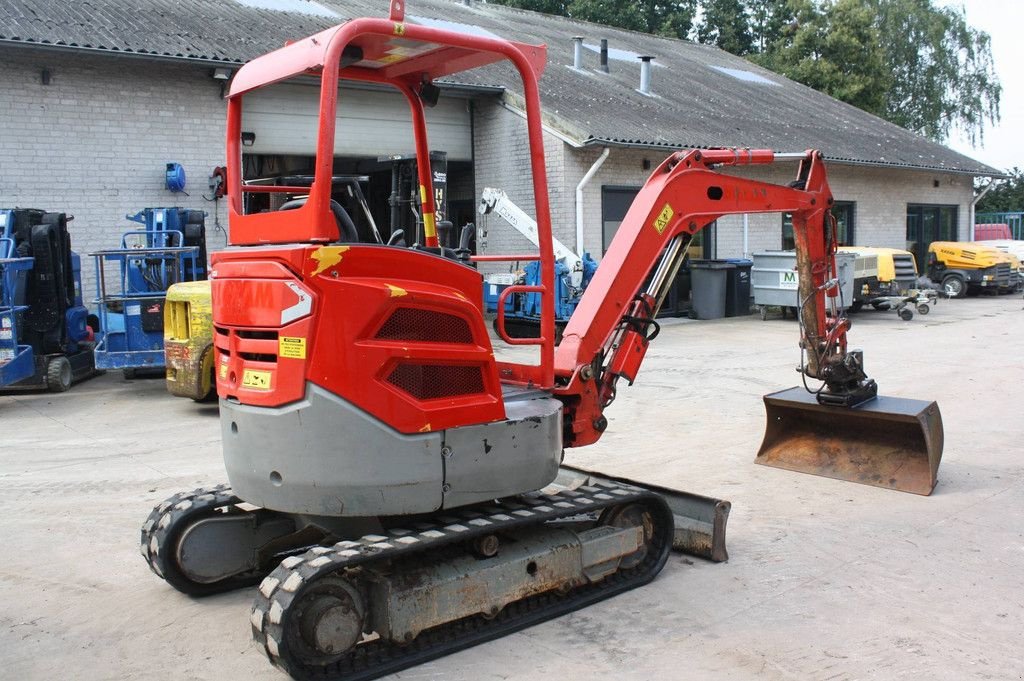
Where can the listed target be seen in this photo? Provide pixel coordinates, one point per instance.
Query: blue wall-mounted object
(175, 177)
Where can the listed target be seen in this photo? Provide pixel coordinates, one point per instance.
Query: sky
(1003, 146)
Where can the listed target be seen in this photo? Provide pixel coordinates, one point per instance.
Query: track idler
(202, 542)
(888, 442)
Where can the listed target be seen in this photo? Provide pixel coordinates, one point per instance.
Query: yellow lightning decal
(425, 429)
(327, 256)
(399, 28)
(396, 291)
(661, 222)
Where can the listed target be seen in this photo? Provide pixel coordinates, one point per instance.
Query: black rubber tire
(954, 286)
(906, 314)
(58, 374)
(923, 309)
(856, 306)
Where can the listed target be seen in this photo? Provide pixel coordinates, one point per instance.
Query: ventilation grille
(904, 266)
(412, 324)
(431, 381)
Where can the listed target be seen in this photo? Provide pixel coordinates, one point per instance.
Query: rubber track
(160, 533)
(373, 659)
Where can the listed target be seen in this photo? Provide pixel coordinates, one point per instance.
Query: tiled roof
(703, 96)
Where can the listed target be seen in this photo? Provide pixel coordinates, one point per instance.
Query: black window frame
(917, 241)
(846, 231)
(706, 239)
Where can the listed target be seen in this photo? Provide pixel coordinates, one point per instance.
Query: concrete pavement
(827, 580)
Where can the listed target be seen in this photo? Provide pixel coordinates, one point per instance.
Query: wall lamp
(248, 139)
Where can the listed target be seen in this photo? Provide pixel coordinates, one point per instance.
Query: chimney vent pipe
(645, 75)
(577, 52)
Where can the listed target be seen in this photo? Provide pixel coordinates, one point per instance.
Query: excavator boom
(842, 430)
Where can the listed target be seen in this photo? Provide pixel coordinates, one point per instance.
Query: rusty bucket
(888, 442)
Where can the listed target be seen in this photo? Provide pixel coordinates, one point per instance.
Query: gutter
(151, 56)
(669, 147)
(579, 198)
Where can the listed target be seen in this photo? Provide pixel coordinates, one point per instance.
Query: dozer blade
(699, 521)
(887, 442)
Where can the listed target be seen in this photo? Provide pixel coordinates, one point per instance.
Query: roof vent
(604, 55)
(577, 52)
(645, 75)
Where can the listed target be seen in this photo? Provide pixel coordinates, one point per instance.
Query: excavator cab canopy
(408, 57)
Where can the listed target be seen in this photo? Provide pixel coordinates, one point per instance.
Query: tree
(546, 6)
(833, 49)
(627, 15)
(942, 70)
(671, 18)
(726, 25)
(1005, 196)
(768, 21)
(910, 62)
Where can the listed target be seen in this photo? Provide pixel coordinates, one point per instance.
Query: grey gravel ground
(827, 580)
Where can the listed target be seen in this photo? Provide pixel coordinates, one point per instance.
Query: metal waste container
(737, 287)
(709, 283)
(775, 281)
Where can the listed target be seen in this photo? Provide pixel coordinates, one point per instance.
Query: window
(928, 223)
(842, 211)
(615, 203)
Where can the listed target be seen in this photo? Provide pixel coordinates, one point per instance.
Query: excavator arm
(607, 337)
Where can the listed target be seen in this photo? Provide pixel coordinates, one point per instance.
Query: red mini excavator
(389, 478)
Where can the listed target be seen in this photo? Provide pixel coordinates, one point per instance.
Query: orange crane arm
(607, 336)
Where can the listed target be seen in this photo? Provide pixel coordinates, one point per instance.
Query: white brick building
(95, 104)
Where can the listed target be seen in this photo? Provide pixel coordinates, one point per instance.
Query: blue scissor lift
(169, 250)
(16, 361)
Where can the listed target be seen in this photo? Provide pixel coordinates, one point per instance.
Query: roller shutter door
(370, 123)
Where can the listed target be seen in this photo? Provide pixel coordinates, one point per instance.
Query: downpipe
(579, 197)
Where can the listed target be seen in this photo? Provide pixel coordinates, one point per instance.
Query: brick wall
(94, 141)
(502, 160)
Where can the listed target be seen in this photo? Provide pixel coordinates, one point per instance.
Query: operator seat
(347, 232)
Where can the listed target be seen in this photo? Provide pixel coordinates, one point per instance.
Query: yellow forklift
(188, 340)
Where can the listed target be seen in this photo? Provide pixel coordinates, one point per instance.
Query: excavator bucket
(887, 442)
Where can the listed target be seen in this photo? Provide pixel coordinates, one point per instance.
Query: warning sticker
(224, 370)
(6, 334)
(258, 380)
(661, 222)
(294, 348)
(133, 309)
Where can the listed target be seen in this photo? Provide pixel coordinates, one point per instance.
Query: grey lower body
(322, 456)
